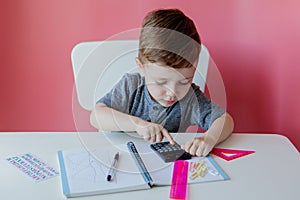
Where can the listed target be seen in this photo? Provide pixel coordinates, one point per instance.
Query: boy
(161, 98)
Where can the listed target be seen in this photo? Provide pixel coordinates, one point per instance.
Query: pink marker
(179, 180)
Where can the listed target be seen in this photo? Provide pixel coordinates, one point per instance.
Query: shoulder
(131, 81)
(196, 90)
(131, 78)
(135, 77)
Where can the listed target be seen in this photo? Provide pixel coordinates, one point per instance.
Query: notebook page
(86, 172)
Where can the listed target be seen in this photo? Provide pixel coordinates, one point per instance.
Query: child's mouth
(169, 102)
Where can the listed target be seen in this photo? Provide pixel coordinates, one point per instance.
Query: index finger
(168, 135)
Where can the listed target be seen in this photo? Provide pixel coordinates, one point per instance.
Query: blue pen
(138, 160)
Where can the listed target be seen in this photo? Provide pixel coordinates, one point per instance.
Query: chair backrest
(98, 65)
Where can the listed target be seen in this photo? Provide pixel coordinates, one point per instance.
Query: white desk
(273, 172)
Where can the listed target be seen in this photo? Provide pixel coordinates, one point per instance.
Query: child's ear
(140, 66)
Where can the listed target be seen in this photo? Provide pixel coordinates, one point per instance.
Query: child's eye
(161, 82)
(185, 82)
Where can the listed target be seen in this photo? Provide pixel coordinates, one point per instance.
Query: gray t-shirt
(130, 95)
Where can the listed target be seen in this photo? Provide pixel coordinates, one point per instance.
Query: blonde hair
(170, 38)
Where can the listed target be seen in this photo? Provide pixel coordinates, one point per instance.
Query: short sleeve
(120, 96)
(204, 111)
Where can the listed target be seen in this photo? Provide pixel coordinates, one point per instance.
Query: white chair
(97, 66)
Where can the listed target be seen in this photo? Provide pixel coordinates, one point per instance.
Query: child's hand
(153, 132)
(200, 146)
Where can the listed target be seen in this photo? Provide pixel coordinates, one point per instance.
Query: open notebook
(84, 171)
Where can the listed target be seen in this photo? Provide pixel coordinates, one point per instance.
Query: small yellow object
(203, 171)
(193, 176)
(199, 169)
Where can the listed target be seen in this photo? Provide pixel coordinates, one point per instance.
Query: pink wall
(254, 43)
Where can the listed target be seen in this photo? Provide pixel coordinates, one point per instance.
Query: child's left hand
(200, 146)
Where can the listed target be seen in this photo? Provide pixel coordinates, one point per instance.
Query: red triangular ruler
(230, 154)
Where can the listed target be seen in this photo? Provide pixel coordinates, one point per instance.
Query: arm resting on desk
(107, 119)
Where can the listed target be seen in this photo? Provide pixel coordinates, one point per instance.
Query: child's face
(167, 85)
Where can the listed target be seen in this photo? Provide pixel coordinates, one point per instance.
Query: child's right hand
(153, 132)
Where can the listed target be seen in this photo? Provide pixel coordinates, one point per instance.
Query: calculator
(170, 152)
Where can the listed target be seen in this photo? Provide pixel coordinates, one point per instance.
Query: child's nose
(170, 91)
